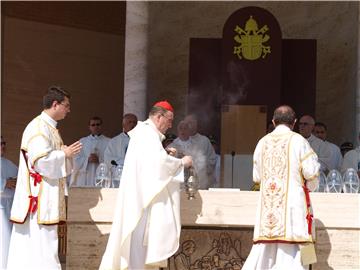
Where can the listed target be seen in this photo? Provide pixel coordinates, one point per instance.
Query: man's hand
(10, 183)
(171, 151)
(187, 161)
(72, 150)
(93, 158)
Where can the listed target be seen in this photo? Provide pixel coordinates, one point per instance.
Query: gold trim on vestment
(307, 156)
(37, 135)
(28, 188)
(275, 177)
(38, 157)
(300, 239)
(17, 220)
(312, 178)
(287, 180)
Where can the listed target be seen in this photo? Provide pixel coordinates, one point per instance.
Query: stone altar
(216, 216)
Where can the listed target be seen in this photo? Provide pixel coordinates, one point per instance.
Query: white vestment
(8, 170)
(284, 165)
(85, 172)
(335, 156)
(217, 171)
(34, 234)
(115, 151)
(204, 158)
(182, 147)
(322, 151)
(351, 160)
(146, 225)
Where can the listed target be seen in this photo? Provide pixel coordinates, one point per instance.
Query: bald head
(306, 125)
(129, 122)
(284, 115)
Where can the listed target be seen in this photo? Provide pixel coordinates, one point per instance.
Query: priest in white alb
(39, 200)
(287, 168)
(146, 224)
(182, 142)
(202, 151)
(115, 151)
(7, 188)
(91, 155)
(306, 129)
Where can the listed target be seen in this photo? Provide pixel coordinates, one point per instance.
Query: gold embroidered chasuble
(41, 144)
(283, 163)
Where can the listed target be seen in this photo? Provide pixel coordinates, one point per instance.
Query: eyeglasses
(95, 125)
(66, 105)
(168, 118)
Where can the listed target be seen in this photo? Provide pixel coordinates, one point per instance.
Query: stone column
(357, 109)
(135, 83)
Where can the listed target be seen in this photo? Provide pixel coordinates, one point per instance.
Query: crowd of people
(331, 156)
(151, 163)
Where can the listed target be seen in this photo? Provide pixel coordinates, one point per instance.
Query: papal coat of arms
(251, 41)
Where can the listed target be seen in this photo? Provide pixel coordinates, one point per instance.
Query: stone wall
(333, 24)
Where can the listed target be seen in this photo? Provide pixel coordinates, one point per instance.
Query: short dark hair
(320, 124)
(97, 118)
(284, 115)
(155, 110)
(54, 93)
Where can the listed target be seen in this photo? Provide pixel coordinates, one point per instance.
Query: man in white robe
(7, 187)
(146, 225)
(320, 131)
(182, 142)
(115, 151)
(91, 155)
(306, 128)
(286, 167)
(39, 200)
(352, 160)
(202, 152)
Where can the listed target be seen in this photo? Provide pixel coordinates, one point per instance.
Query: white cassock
(146, 225)
(182, 147)
(335, 156)
(85, 172)
(322, 151)
(34, 239)
(284, 163)
(217, 171)
(8, 170)
(351, 160)
(204, 159)
(115, 151)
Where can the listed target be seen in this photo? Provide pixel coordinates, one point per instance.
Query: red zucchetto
(165, 105)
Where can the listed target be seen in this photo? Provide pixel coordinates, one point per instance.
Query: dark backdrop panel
(247, 81)
(204, 84)
(299, 75)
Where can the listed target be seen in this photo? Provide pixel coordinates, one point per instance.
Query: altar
(217, 229)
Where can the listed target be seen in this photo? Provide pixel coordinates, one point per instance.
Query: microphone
(113, 162)
(232, 168)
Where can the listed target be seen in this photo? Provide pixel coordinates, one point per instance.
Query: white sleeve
(2, 184)
(350, 160)
(310, 167)
(211, 157)
(46, 161)
(80, 161)
(256, 163)
(324, 157)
